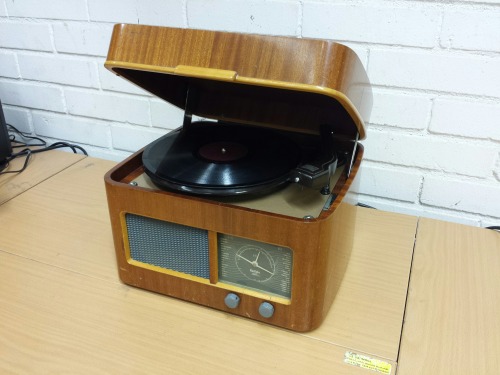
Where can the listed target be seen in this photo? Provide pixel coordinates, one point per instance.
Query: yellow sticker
(368, 363)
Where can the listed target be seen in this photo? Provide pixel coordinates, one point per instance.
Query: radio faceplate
(243, 265)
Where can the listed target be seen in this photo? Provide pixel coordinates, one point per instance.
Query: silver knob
(232, 300)
(266, 310)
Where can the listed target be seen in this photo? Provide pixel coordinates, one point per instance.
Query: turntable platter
(221, 159)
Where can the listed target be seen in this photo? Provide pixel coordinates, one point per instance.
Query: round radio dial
(255, 263)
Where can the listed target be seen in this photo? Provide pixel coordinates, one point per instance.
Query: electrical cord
(24, 136)
(364, 205)
(494, 227)
(27, 152)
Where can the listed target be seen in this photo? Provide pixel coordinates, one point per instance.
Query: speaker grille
(168, 245)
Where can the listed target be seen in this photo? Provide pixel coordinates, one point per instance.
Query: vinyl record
(221, 159)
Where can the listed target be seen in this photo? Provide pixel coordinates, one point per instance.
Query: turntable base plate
(294, 200)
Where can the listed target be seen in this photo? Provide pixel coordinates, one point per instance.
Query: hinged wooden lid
(273, 81)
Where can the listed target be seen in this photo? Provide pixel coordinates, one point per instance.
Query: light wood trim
(232, 76)
(452, 323)
(167, 271)
(213, 257)
(148, 266)
(208, 73)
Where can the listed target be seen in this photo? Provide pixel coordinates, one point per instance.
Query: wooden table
(452, 322)
(63, 309)
(41, 166)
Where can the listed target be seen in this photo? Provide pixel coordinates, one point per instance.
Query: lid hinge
(191, 99)
(353, 154)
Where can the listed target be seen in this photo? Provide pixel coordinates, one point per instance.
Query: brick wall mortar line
(437, 92)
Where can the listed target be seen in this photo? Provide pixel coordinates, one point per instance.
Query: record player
(244, 209)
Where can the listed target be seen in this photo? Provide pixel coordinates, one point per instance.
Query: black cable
(3, 165)
(25, 136)
(56, 145)
(27, 152)
(365, 205)
(494, 227)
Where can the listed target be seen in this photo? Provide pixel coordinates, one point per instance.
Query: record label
(222, 152)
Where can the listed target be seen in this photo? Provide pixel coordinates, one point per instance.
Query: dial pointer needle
(245, 259)
(262, 268)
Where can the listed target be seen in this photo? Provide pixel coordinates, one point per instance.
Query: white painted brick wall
(8, 65)
(27, 36)
(247, 16)
(409, 110)
(132, 139)
(467, 119)
(442, 155)
(455, 72)
(82, 38)
(147, 12)
(56, 9)
(3, 9)
(433, 146)
(472, 30)
(32, 95)
(56, 69)
(455, 194)
(165, 115)
(18, 116)
(484, 1)
(496, 171)
(85, 131)
(405, 185)
(111, 82)
(411, 24)
(107, 106)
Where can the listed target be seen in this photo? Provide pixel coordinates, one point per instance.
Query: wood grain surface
(367, 312)
(315, 248)
(453, 313)
(40, 167)
(62, 305)
(275, 81)
(57, 321)
(63, 221)
(63, 308)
